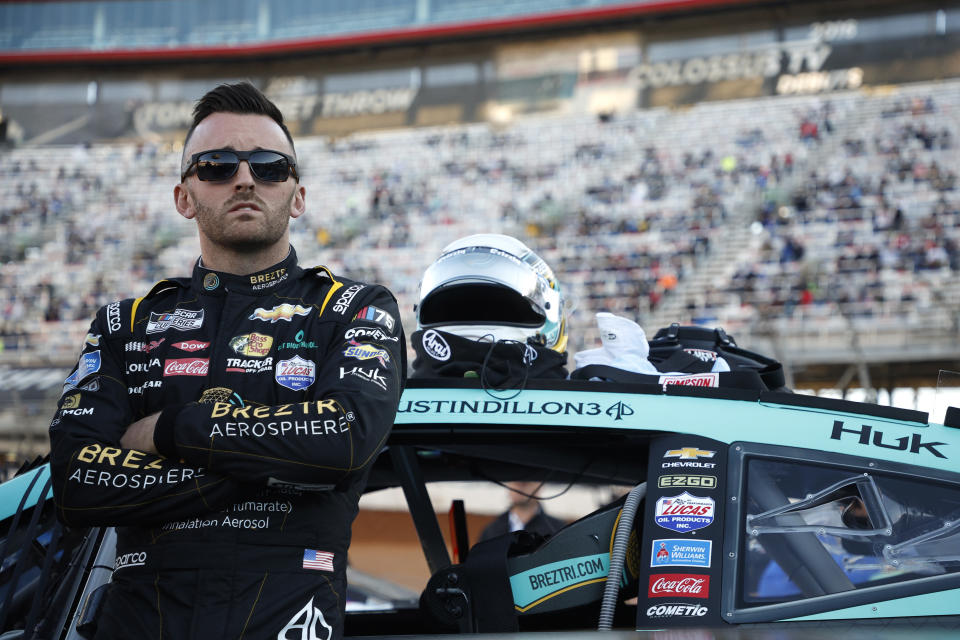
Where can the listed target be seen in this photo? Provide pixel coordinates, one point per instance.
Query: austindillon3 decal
(534, 586)
(616, 411)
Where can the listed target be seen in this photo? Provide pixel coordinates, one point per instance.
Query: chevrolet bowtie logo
(688, 453)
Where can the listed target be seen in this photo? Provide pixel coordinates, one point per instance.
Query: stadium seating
(793, 213)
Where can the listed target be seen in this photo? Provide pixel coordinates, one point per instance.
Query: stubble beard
(269, 231)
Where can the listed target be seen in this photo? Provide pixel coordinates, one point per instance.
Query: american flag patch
(313, 559)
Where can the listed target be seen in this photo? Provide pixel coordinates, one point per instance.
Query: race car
(748, 509)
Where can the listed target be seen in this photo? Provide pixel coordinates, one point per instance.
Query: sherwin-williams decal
(295, 373)
(180, 320)
(677, 552)
(283, 311)
(534, 586)
(684, 512)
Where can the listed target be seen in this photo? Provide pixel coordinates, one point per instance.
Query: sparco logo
(435, 346)
(135, 559)
(347, 297)
(113, 317)
(186, 367)
(684, 585)
(617, 411)
(306, 622)
(676, 611)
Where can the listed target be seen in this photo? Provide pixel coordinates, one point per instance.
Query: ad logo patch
(252, 344)
(191, 346)
(363, 351)
(435, 346)
(283, 311)
(180, 319)
(377, 315)
(679, 585)
(186, 367)
(681, 553)
(684, 512)
(88, 363)
(296, 373)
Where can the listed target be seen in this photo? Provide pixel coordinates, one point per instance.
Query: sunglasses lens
(269, 166)
(217, 165)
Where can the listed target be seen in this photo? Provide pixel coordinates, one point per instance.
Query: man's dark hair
(243, 98)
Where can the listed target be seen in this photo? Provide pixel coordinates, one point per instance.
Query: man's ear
(183, 202)
(299, 204)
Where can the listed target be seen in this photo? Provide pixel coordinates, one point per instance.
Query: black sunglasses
(222, 164)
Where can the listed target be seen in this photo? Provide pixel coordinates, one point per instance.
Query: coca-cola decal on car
(684, 585)
(295, 373)
(186, 367)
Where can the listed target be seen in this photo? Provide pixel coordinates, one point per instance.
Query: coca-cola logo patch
(684, 585)
(186, 367)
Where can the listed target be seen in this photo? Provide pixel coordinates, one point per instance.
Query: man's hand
(139, 435)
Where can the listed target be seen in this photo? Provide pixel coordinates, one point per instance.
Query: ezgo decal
(684, 512)
(533, 586)
(295, 373)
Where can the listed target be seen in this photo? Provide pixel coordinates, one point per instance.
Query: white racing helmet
(492, 285)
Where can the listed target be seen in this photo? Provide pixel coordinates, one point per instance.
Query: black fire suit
(277, 390)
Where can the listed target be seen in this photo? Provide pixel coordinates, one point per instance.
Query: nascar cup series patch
(295, 373)
(684, 512)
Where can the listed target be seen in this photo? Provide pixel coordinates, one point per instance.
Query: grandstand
(771, 168)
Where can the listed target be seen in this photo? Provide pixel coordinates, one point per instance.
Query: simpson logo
(681, 553)
(252, 344)
(343, 303)
(692, 380)
(190, 346)
(113, 317)
(699, 482)
(283, 311)
(296, 373)
(135, 559)
(378, 315)
(679, 585)
(676, 610)
(180, 319)
(89, 363)
(435, 346)
(684, 512)
(366, 352)
(689, 453)
(370, 334)
(308, 624)
(186, 367)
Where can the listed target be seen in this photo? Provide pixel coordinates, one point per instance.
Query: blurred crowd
(840, 203)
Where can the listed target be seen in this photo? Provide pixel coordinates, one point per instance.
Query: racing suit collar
(262, 282)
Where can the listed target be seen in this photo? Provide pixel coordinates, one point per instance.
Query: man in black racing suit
(226, 423)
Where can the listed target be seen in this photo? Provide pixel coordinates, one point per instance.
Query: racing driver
(226, 423)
